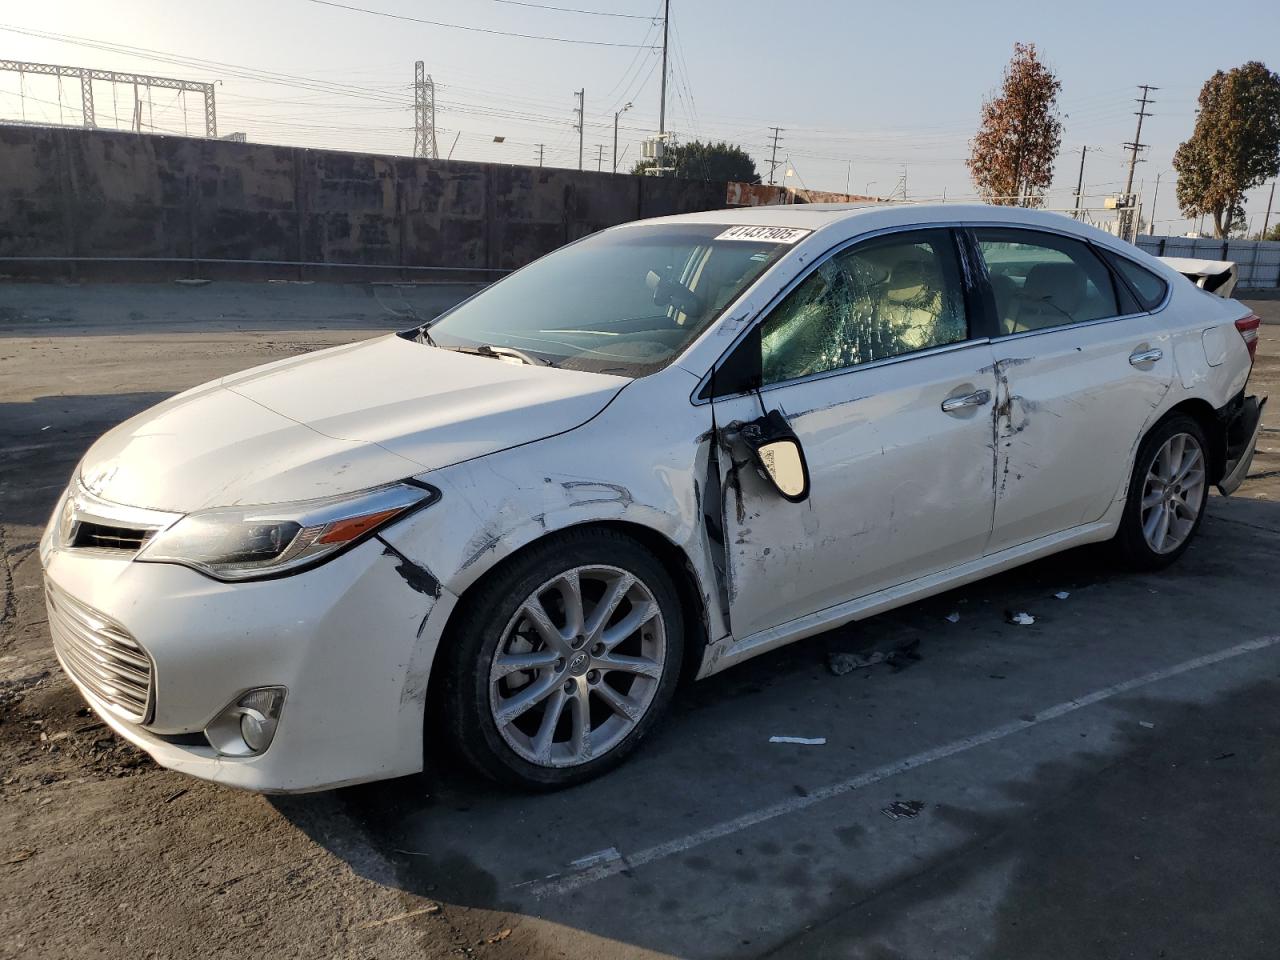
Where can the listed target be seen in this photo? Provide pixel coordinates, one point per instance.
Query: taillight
(1248, 327)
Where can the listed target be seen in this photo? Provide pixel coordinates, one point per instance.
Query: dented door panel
(899, 488)
(1072, 406)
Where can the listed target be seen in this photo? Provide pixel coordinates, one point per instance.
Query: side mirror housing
(779, 455)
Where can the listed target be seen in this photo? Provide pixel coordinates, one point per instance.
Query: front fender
(644, 470)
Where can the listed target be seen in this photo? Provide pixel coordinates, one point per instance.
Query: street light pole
(615, 135)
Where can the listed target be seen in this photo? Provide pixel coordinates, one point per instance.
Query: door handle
(1145, 356)
(975, 399)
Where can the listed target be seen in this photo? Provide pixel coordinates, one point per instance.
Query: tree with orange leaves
(1011, 156)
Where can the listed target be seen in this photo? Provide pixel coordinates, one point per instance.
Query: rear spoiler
(1213, 276)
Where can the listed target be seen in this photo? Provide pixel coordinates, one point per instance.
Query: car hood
(333, 422)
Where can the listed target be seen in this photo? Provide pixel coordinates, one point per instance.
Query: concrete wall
(68, 192)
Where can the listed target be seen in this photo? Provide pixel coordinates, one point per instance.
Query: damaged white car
(652, 454)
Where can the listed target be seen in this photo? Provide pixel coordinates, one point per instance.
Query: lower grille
(101, 656)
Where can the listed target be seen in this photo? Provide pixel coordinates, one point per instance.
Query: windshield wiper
(497, 353)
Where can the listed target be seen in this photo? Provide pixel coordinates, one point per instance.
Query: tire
(1137, 544)
(620, 684)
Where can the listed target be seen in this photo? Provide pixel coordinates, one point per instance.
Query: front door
(870, 358)
(1082, 368)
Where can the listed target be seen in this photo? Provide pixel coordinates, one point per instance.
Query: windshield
(625, 301)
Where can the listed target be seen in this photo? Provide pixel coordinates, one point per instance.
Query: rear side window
(1150, 288)
(1043, 280)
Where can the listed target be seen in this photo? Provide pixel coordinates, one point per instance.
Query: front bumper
(351, 641)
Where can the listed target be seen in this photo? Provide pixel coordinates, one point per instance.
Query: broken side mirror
(779, 455)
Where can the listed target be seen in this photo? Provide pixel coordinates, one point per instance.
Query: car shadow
(43, 439)
(441, 833)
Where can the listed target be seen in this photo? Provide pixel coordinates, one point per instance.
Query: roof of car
(812, 216)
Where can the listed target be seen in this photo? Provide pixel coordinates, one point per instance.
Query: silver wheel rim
(1173, 493)
(577, 666)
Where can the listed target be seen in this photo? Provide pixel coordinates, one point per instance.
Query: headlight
(248, 543)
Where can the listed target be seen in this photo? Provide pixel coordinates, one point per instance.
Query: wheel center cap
(579, 664)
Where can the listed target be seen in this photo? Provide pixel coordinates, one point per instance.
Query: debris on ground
(428, 909)
(953, 616)
(899, 658)
(903, 809)
(1021, 618)
(20, 855)
(1146, 723)
(842, 663)
(174, 796)
(805, 741)
(1062, 594)
(499, 936)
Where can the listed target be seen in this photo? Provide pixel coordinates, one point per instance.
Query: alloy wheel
(578, 666)
(1173, 493)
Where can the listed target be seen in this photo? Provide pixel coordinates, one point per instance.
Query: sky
(865, 93)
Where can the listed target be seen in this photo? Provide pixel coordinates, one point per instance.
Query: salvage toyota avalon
(654, 453)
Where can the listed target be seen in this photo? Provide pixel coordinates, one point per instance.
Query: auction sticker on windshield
(767, 234)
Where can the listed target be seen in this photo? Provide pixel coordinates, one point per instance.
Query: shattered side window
(889, 296)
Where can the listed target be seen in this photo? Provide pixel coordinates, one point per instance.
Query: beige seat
(1052, 296)
(912, 304)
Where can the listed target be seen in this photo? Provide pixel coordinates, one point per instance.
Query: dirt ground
(1159, 840)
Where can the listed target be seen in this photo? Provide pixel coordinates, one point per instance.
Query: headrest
(1061, 284)
(911, 279)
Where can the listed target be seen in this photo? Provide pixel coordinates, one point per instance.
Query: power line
(459, 26)
(589, 13)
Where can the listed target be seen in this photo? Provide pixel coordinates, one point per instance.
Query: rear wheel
(564, 660)
(1167, 494)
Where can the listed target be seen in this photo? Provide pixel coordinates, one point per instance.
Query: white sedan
(654, 453)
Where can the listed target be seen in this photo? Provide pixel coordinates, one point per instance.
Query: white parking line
(599, 870)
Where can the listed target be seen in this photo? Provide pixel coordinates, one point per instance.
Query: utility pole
(1266, 217)
(662, 103)
(615, 135)
(424, 114)
(1080, 181)
(599, 157)
(1155, 195)
(1134, 147)
(582, 99)
(773, 156)
(540, 146)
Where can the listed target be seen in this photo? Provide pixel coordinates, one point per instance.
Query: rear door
(1081, 368)
(871, 359)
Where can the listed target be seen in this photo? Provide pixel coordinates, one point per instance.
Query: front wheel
(1167, 495)
(561, 663)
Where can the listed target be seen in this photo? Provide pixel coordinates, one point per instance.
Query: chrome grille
(100, 656)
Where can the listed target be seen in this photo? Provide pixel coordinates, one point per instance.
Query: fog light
(246, 727)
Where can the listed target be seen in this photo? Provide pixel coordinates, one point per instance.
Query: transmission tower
(424, 114)
(87, 76)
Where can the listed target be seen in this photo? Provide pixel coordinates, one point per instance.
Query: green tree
(696, 160)
(1011, 156)
(1235, 145)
